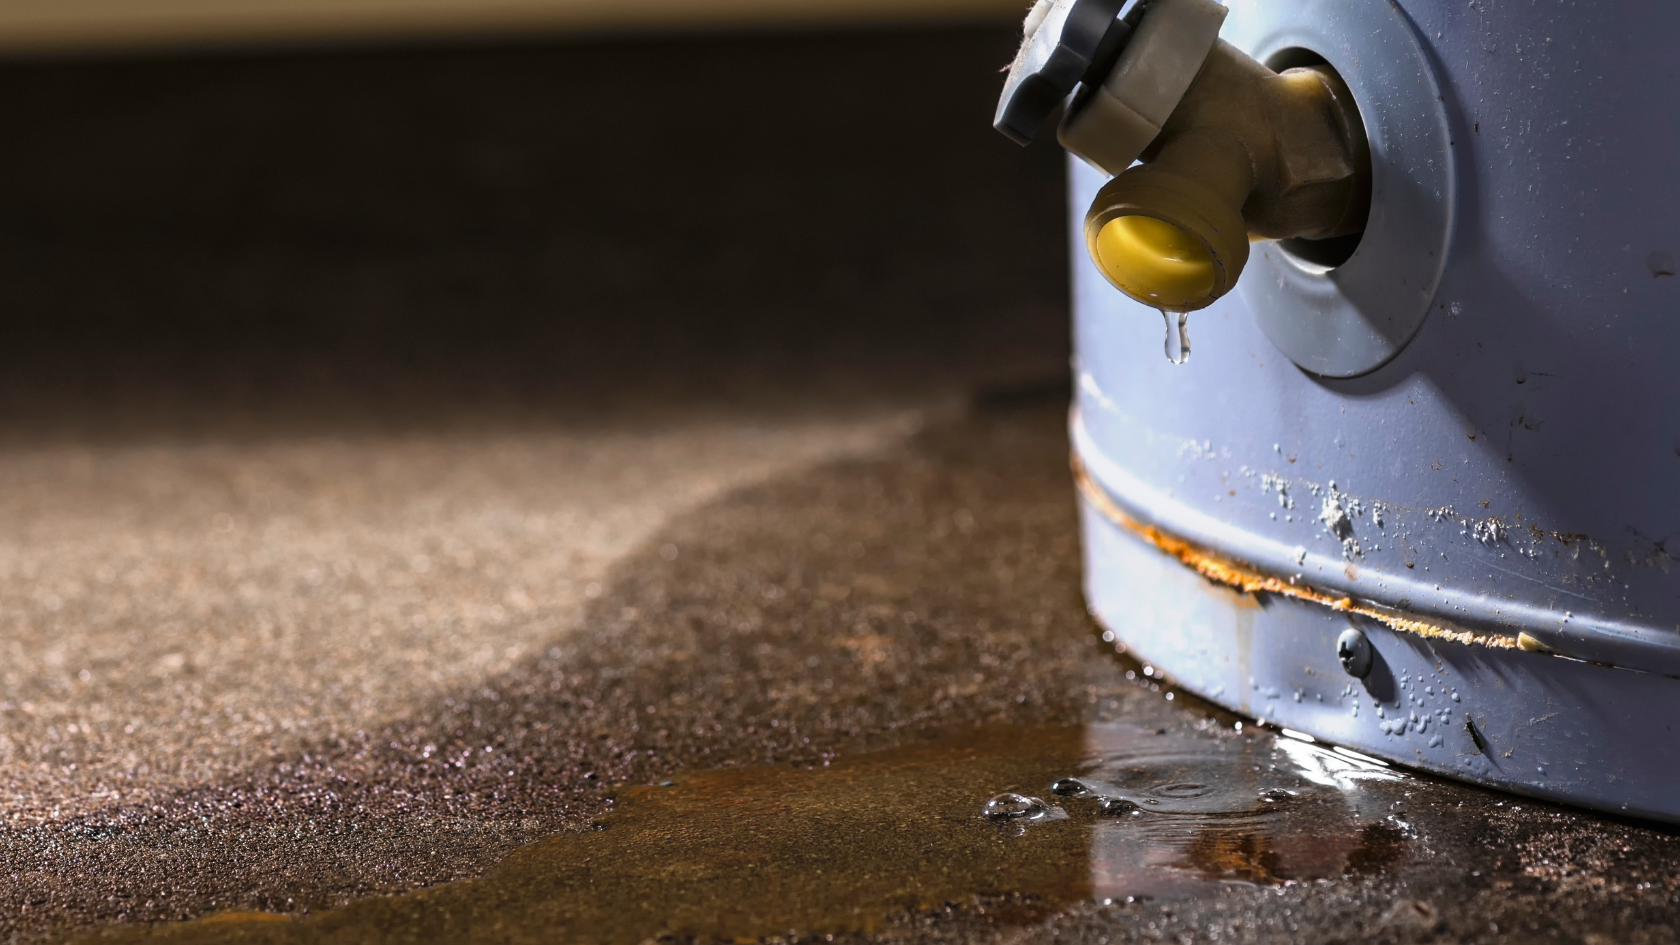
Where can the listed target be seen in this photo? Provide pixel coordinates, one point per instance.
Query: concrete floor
(404, 453)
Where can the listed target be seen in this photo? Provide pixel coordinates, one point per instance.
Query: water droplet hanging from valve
(1178, 336)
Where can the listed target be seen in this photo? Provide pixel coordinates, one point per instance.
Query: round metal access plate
(1353, 318)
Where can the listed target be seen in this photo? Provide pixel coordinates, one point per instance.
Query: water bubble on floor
(1019, 807)
(1116, 806)
(1070, 787)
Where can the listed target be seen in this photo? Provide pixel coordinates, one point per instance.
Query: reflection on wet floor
(747, 853)
(1180, 815)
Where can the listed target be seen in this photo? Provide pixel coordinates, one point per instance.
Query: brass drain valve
(1208, 148)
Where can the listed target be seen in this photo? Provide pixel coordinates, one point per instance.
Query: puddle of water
(1178, 817)
(1032, 818)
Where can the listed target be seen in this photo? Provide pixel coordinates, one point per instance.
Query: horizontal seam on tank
(1248, 580)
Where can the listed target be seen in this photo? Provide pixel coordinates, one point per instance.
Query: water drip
(1178, 336)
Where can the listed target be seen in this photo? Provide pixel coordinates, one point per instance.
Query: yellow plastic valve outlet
(1166, 239)
(1156, 262)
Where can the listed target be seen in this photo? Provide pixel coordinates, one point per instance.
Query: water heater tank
(1417, 491)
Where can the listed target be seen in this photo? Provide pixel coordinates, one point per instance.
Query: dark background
(379, 236)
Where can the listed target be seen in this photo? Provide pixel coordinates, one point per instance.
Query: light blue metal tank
(1490, 491)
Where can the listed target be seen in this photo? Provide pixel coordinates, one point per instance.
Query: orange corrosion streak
(1249, 581)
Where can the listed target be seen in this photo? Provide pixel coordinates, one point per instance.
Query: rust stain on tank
(1247, 580)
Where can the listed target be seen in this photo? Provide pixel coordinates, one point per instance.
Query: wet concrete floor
(790, 728)
(861, 843)
(400, 543)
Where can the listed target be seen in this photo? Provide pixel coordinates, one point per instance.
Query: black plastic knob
(1069, 41)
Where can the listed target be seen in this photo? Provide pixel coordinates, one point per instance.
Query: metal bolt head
(1353, 648)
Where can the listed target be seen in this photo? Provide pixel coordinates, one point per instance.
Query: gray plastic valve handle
(1066, 42)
